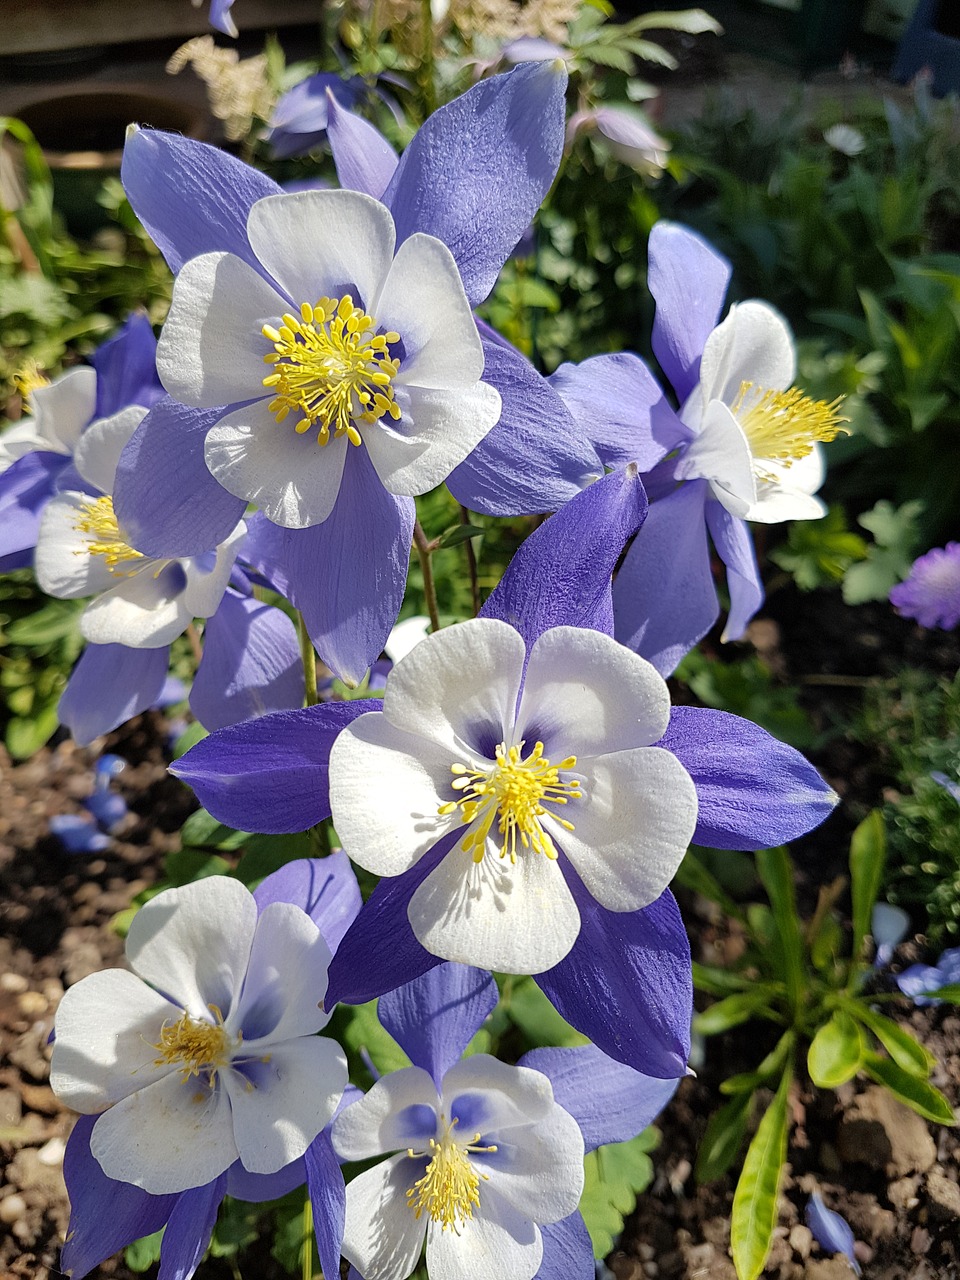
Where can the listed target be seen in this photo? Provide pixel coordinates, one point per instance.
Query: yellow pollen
(514, 791)
(331, 366)
(199, 1045)
(783, 425)
(450, 1187)
(28, 379)
(100, 521)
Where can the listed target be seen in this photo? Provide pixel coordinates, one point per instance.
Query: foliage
(808, 984)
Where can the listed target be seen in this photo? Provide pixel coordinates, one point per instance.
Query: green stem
(309, 656)
(306, 1254)
(429, 589)
(428, 76)
(471, 565)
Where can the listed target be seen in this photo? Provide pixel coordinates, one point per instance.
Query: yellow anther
(783, 425)
(449, 1190)
(198, 1045)
(100, 521)
(333, 367)
(513, 793)
(29, 378)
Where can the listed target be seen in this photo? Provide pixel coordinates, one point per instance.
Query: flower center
(197, 1044)
(28, 379)
(783, 425)
(450, 1187)
(332, 367)
(514, 791)
(100, 521)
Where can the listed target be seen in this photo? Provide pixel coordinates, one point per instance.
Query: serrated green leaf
(868, 855)
(757, 1197)
(836, 1051)
(725, 1132)
(613, 1177)
(906, 1051)
(919, 1095)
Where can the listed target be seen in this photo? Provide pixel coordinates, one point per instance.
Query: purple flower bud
(931, 593)
(107, 807)
(830, 1231)
(78, 835)
(109, 766)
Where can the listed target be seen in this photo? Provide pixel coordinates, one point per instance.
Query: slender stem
(428, 75)
(306, 1253)
(471, 565)
(429, 589)
(194, 637)
(309, 656)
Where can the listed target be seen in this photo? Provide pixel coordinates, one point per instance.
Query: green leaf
(143, 1253)
(906, 1051)
(183, 866)
(262, 855)
(530, 1010)
(776, 872)
(202, 831)
(692, 21)
(770, 1068)
(23, 737)
(193, 734)
(909, 1089)
(733, 1010)
(364, 1031)
(868, 854)
(613, 1177)
(459, 533)
(725, 1132)
(836, 1051)
(714, 981)
(757, 1196)
(950, 992)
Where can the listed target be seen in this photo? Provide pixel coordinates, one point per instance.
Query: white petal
(721, 454)
(386, 788)
(320, 244)
(753, 344)
(381, 1237)
(194, 943)
(459, 688)
(168, 1137)
(281, 1102)
(437, 431)
(489, 1096)
(498, 1241)
(584, 694)
(98, 449)
(211, 347)
(539, 1168)
(22, 438)
(206, 584)
(405, 636)
(398, 1112)
(286, 979)
(775, 504)
(518, 918)
(293, 479)
(632, 828)
(145, 610)
(423, 300)
(63, 409)
(62, 562)
(108, 1028)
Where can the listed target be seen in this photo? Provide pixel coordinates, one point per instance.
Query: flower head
(206, 1053)
(919, 979)
(931, 594)
(299, 120)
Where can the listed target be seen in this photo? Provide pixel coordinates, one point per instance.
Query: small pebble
(14, 983)
(651, 1269)
(51, 1153)
(32, 1004)
(12, 1209)
(801, 1240)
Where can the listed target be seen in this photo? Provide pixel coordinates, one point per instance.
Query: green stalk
(429, 588)
(309, 656)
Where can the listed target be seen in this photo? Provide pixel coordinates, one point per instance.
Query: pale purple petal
(364, 158)
(831, 1232)
(567, 1250)
(270, 774)
(560, 576)
(476, 172)
(734, 544)
(222, 20)
(753, 791)
(257, 1188)
(664, 600)
(26, 487)
(126, 366)
(189, 1229)
(325, 888)
(110, 684)
(328, 1198)
(688, 280)
(931, 594)
(434, 1017)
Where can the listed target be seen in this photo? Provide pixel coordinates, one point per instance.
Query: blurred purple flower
(830, 1231)
(78, 835)
(628, 135)
(299, 120)
(948, 784)
(889, 927)
(533, 49)
(920, 978)
(931, 593)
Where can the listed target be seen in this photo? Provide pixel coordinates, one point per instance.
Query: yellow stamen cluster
(783, 425)
(514, 791)
(27, 379)
(450, 1187)
(331, 366)
(100, 521)
(199, 1045)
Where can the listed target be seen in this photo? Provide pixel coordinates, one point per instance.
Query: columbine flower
(830, 1230)
(207, 1052)
(919, 979)
(931, 594)
(743, 446)
(489, 1158)
(141, 602)
(299, 120)
(78, 835)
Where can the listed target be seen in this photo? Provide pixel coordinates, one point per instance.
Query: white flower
(845, 139)
(353, 345)
(756, 435)
(81, 551)
(556, 761)
(206, 1053)
(479, 1165)
(61, 410)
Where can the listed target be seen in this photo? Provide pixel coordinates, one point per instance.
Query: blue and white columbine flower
(207, 1052)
